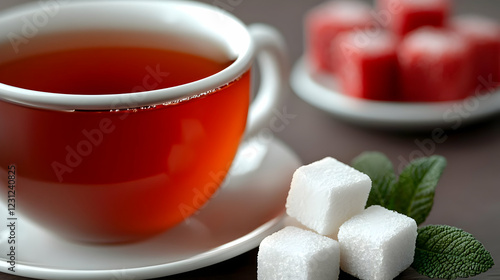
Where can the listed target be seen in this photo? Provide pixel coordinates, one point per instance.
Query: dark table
(468, 195)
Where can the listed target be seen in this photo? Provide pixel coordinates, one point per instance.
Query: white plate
(322, 92)
(249, 207)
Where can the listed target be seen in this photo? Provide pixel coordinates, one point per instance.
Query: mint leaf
(416, 187)
(412, 194)
(381, 171)
(448, 252)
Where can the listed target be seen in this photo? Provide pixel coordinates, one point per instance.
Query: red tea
(108, 176)
(107, 70)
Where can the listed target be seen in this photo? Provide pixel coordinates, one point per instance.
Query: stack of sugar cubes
(403, 50)
(332, 230)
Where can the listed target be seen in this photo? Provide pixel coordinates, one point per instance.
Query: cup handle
(270, 50)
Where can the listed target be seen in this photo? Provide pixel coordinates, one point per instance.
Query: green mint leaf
(447, 252)
(381, 171)
(416, 187)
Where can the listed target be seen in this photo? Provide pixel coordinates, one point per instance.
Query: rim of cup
(59, 16)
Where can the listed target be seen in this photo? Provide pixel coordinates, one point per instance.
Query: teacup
(101, 148)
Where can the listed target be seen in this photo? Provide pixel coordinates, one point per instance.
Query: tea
(124, 167)
(96, 164)
(107, 70)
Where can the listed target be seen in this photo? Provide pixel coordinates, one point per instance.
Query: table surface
(468, 195)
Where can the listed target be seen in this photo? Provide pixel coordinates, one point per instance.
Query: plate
(249, 206)
(322, 91)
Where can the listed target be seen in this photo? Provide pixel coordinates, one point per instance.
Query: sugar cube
(377, 244)
(484, 36)
(368, 64)
(435, 65)
(324, 22)
(295, 254)
(325, 194)
(404, 16)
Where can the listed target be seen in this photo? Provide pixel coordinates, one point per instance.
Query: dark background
(468, 195)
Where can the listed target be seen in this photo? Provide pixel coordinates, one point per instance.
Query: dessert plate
(322, 91)
(249, 206)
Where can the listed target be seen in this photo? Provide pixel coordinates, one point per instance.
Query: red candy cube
(435, 65)
(325, 22)
(404, 16)
(484, 36)
(368, 65)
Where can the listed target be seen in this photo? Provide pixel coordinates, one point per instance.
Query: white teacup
(118, 166)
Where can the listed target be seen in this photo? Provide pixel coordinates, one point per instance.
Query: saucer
(248, 207)
(322, 91)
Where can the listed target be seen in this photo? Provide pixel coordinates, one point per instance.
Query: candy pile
(403, 50)
(334, 231)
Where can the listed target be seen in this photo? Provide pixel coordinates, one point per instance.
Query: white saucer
(249, 207)
(322, 92)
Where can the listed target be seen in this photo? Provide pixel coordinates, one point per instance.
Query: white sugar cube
(377, 244)
(325, 194)
(295, 254)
